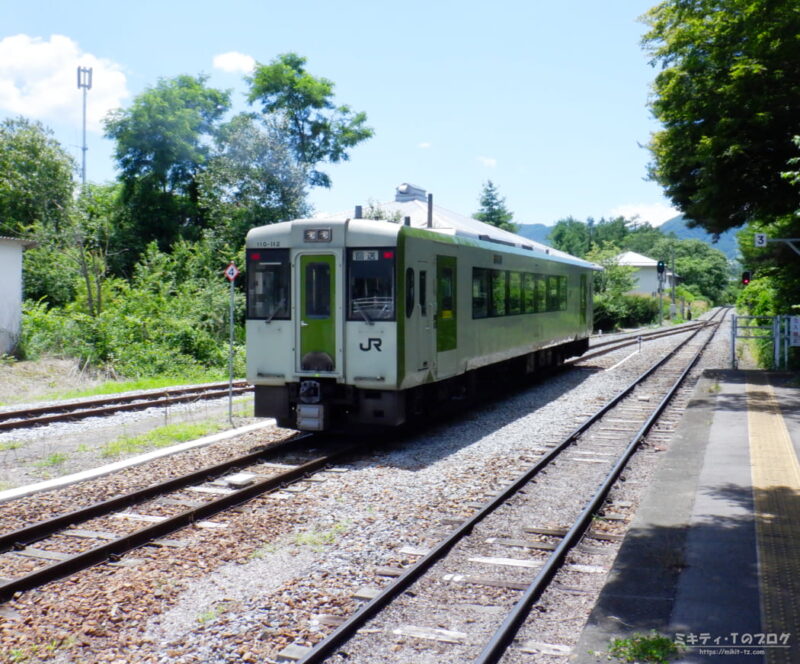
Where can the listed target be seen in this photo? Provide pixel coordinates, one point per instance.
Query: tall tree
(493, 209)
(252, 179)
(163, 142)
(727, 96)
(36, 177)
(319, 130)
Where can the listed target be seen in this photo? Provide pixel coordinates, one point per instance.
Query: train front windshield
(268, 284)
(371, 284)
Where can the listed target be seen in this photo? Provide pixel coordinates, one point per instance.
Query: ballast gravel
(282, 568)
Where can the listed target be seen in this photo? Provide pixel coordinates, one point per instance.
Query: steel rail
(29, 534)
(498, 644)
(126, 543)
(348, 629)
(17, 419)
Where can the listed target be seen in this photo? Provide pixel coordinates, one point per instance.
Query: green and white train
(359, 323)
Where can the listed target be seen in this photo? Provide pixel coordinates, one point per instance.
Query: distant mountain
(535, 232)
(726, 244)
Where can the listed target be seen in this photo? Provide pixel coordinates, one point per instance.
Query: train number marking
(372, 342)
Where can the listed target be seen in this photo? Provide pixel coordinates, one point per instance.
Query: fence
(782, 331)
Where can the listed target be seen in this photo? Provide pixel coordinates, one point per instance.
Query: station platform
(712, 557)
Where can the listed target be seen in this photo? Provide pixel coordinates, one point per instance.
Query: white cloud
(654, 213)
(38, 79)
(232, 62)
(489, 162)
(424, 146)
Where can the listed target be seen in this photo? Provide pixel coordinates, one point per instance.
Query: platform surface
(712, 558)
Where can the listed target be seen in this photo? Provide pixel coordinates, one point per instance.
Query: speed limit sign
(231, 272)
(761, 239)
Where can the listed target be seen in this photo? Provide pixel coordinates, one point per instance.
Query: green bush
(170, 319)
(613, 312)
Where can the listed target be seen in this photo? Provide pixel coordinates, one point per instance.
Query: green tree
(318, 130)
(572, 236)
(252, 179)
(642, 237)
(36, 177)
(727, 96)
(163, 142)
(493, 209)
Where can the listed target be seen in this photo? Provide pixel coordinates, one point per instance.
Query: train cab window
(268, 284)
(318, 290)
(409, 292)
(423, 293)
(514, 293)
(480, 292)
(371, 287)
(499, 293)
(528, 293)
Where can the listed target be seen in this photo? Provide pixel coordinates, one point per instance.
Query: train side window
(528, 293)
(562, 293)
(423, 292)
(552, 293)
(371, 279)
(409, 292)
(499, 293)
(480, 292)
(318, 290)
(514, 293)
(268, 284)
(541, 294)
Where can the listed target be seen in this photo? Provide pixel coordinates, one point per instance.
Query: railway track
(78, 410)
(222, 486)
(467, 544)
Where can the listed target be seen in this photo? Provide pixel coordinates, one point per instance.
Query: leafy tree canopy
(727, 96)
(319, 130)
(36, 177)
(164, 135)
(493, 209)
(252, 179)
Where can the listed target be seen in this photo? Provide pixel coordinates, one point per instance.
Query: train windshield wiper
(363, 313)
(275, 311)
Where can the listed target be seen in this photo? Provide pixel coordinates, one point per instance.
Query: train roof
(411, 202)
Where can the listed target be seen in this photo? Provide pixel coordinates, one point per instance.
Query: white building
(646, 274)
(11, 291)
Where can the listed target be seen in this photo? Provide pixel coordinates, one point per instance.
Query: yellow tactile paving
(776, 490)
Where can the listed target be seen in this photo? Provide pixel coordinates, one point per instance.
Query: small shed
(11, 291)
(646, 274)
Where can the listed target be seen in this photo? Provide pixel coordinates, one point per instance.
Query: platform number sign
(231, 272)
(760, 240)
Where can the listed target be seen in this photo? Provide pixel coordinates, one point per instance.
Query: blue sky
(546, 99)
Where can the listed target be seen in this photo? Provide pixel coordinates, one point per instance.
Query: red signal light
(255, 256)
(745, 278)
(388, 254)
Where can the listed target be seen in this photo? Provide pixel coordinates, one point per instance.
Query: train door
(446, 315)
(424, 328)
(584, 298)
(317, 321)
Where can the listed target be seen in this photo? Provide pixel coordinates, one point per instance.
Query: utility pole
(85, 84)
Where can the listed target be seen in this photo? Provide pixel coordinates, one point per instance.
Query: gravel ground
(283, 564)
